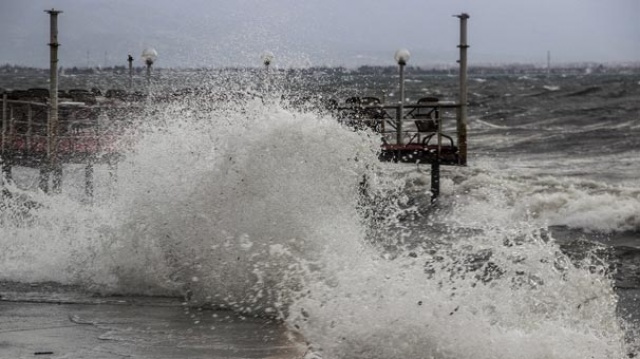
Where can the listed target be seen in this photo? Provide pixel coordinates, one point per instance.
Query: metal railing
(419, 124)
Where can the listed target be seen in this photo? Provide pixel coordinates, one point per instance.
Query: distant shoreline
(477, 69)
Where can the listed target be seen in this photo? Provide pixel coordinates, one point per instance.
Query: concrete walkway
(138, 330)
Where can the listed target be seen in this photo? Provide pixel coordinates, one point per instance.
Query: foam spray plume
(256, 206)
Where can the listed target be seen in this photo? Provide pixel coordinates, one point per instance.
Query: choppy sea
(532, 251)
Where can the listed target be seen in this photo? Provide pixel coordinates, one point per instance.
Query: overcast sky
(215, 33)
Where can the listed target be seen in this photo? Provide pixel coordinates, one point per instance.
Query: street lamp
(267, 58)
(53, 122)
(130, 60)
(402, 57)
(149, 56)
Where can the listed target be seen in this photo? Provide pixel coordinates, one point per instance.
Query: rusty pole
(52, 130)
(462, 118)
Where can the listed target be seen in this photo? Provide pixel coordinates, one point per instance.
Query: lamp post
(52, 130)
(130, 60)
(462, 118)
(149, 56)
(402, 57)
(267, 59)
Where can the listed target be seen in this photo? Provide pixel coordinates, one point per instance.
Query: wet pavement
(161, 329)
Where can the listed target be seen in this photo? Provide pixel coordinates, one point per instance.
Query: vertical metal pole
(112, 165)
(130, 59)
(435, 180)
(149, 63)
(548, 63)
(43, 178)
(56, 182)
(29, 127)
(267, 58)
(5, 170)
(435, 165)
(53, 95)
(400, 107)
(88, 179)
(12, 125)
(462, 118)
(266, 77)
(4, 122)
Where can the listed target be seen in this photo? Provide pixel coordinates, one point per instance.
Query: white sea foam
(496, 197)
(524, 301)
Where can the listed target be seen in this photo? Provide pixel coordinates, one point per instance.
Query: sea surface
(253, 203)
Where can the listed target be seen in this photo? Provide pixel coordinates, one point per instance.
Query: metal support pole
(267, 58)
(435, 165)
(5, 169)
(149, 63)
(53, 96)
(88, 179)
(400, 107)
(435, 180)
(56, 181)
(112, 165)
(266, 77)
(548, 63)
(398, 134)
(43, 178)
(29, 127)
(12, 125)
(130, 59)
(462, 117)
(5, 120)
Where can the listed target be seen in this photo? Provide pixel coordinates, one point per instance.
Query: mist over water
(256, 206)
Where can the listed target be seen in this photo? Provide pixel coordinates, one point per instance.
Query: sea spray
(215, 201)
(273, 211)
(244, 185)
(502, 294)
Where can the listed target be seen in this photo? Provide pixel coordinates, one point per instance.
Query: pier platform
(409, 133)
(89, 130)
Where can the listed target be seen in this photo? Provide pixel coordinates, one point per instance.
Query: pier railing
(80, 138)
(25, 131)
(420, 128)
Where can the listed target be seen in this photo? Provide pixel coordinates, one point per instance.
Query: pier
(414, 132)
(45, 129)
(86, 134)
(40, 131)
